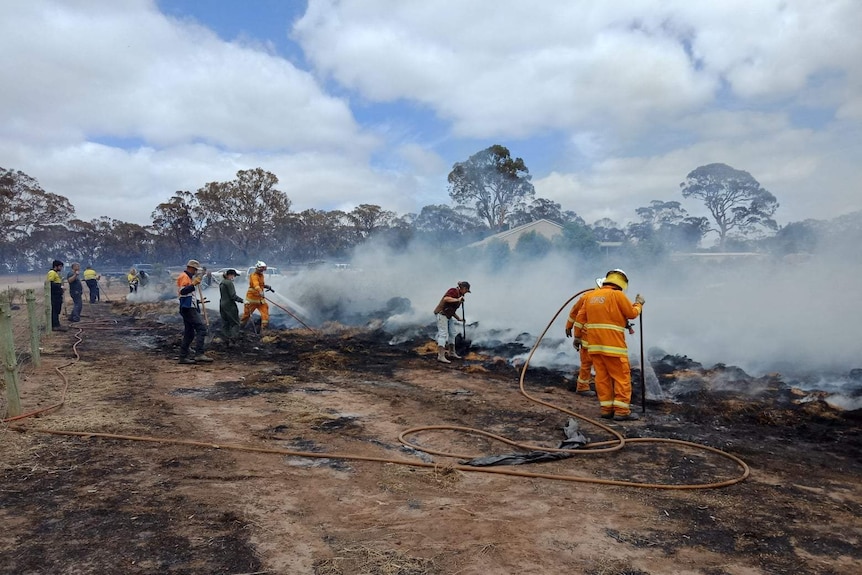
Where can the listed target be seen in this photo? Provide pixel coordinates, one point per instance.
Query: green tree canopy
(733, 197)
(244, 212)
(669, 224)
(443, 226)
(492, 183)
(29, 220)
(176, 228)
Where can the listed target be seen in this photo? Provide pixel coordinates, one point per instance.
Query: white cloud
(115, 100)
(105, 69)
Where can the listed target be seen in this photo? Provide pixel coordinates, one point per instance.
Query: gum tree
(492, 183)
(733, 197)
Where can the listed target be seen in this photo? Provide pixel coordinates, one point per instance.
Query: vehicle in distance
(268, 272)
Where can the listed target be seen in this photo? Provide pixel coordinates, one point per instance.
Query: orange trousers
(613, 383)
(262, 307)
(586, 371)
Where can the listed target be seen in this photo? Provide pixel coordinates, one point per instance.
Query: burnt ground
(149, 503)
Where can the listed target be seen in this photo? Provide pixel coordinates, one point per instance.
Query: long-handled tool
(643, 365)
(290, 313)
(101, 291)
(209, 336)
(462, 346)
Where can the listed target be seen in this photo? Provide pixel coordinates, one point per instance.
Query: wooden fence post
(35, 354)
(10, 363)
(48, 324)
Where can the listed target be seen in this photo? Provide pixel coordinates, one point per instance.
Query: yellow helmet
(618, 278)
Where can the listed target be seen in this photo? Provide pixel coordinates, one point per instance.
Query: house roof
(545, 228)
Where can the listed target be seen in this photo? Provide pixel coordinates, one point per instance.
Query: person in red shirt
(446, 313)
(605, 315)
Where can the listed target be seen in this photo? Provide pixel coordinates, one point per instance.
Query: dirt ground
(185, 492)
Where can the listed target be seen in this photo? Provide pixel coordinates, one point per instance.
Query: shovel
(208, 338)
(462, 344)
(101, 291)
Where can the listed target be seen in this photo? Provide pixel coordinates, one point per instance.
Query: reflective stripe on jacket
(56, 281)
(186, 290)
(604, 315)
(256, 282)
(573, 322)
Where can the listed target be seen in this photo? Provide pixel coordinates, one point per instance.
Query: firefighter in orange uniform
(605, 315)
(580, 344)
(255, 298)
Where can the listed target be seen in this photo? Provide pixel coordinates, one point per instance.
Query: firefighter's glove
(639, 299)
(195, 281)
(568, 332)
(577, 344)
(268, 288)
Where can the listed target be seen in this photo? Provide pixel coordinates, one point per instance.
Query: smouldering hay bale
(327, 359)
(144, 309)
(361, 559)
(427, 348)
(475, 369)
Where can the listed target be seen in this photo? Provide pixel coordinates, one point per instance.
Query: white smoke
(761, 314)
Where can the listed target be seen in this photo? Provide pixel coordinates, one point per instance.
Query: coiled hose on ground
(618, 443)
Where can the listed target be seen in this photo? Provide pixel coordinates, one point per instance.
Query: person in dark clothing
(76, 290)
(227, 307)
(56, 281)
(194, 327)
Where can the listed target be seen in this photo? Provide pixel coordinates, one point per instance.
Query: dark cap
(57, 263)
(465, 285)
(230, 272)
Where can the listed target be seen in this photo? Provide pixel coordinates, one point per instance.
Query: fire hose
(593, 448)
(290, 313)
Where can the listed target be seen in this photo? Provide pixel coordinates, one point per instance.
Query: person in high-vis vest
(56, 282)
(194, 327)
(134, 279)
(91, 278)
(255, 297)
(605, 315)
(581, 345)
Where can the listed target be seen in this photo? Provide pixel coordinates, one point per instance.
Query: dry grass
(403, 479)
(361, 560)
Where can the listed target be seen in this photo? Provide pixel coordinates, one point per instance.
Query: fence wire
(16, 298)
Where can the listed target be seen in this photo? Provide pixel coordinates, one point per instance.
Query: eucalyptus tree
(177, 229)
(31, 221)
(245, 212)
(491, 183)
(734, 199)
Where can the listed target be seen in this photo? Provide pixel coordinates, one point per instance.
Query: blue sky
(118, 105)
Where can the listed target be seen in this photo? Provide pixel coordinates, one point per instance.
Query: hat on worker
(465, 285)
(194, 264)
(230, 272)
(616, 277)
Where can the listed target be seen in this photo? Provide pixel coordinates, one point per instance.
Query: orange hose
(601, 447)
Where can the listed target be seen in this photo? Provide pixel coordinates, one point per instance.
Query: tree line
(249, 218)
